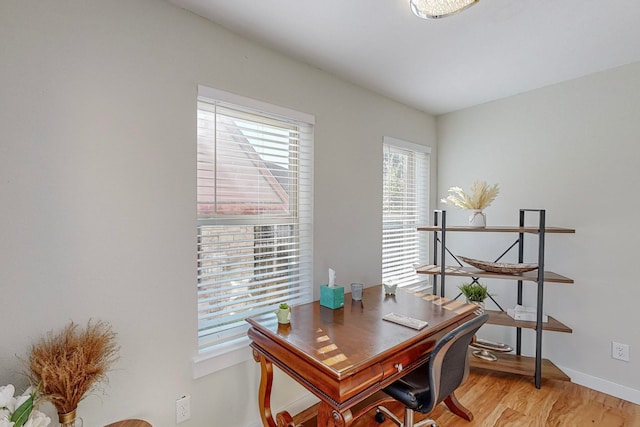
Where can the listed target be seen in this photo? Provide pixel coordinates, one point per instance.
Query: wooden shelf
(498, 229)
(519, 365)
(531, 276)
(503, 319)
(531, 366)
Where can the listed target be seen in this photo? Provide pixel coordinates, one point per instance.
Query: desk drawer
(408, 359)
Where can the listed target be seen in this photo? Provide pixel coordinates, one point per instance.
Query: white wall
(572, 149)
(97, 183)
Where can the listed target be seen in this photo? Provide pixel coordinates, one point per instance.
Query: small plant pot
(284, 315)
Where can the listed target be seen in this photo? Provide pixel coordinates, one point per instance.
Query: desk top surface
(345, 340)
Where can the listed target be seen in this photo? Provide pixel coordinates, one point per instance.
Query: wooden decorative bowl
(499, 267)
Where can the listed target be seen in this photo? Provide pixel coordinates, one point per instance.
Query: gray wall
(572, 149)
(97, 182)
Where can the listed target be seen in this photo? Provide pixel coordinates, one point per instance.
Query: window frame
(236, 350)
(423, 199)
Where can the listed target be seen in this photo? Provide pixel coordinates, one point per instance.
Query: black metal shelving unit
(518, 364)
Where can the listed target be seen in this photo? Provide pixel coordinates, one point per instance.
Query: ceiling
(494, 49)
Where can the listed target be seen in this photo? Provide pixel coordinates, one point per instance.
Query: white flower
(4, 415)
(9, 404)
(37, 419)
(6, 395)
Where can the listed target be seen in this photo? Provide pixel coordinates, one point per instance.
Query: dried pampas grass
(481, 196)
(71, 363)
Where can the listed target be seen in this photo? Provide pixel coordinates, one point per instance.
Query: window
(404, 207)
(254, 210)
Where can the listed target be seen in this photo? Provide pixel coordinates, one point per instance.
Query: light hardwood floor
(503, 400)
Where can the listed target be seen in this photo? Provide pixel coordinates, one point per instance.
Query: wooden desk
(344, 356)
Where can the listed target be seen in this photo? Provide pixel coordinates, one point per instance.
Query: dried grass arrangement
(482, 195)
(70, 364)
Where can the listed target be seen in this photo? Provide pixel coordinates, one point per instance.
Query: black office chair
(448, 367)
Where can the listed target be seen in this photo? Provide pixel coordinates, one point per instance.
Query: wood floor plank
(503, 400)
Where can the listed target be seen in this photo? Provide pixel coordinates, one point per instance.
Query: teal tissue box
(332, 297)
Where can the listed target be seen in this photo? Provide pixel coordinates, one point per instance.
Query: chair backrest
(449, 362)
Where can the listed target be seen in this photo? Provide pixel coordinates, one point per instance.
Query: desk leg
(264, 392)
(456, 407)
(329, 417)
(284, 419)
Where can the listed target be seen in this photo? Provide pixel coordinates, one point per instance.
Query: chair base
(382, 412)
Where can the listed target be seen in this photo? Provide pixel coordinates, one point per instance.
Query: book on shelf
(528, 314)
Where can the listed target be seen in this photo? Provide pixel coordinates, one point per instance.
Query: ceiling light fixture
(434, 9)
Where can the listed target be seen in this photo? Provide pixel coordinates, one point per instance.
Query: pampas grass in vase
(482, 195)
(71, 363)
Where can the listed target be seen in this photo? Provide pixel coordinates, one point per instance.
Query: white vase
(477, 218)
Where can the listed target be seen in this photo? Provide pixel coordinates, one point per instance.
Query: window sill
(214, 361)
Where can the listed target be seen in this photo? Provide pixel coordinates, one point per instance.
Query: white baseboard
(295, 407)
(622, 392)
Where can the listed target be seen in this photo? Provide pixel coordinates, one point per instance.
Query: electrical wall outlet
(620, 351)
(183, 409)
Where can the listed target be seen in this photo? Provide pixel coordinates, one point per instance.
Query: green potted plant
(283, 313)
(475, 293)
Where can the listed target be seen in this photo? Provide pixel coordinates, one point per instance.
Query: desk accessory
(356, 291)
(283, 313)
(404, 320)
(332, 296)
(390, 289)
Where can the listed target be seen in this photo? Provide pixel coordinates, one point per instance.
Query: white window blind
(405, 206)
(254, 205)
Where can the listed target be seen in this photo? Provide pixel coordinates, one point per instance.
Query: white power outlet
(183, 409)
(620, 351)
